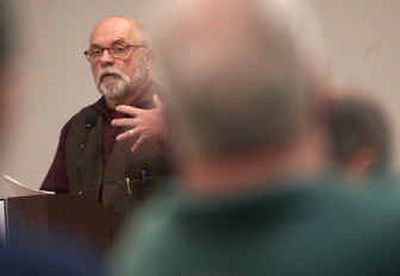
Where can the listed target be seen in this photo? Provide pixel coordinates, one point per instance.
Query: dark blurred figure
(245, 82)
(38, 254)
(33, 253)
(360, 137)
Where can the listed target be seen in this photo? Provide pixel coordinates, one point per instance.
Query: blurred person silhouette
(32, 253)
(244, 93)
(113, 151)
(360, 138)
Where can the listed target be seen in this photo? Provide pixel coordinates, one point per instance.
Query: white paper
(2, 221)
(9, 187)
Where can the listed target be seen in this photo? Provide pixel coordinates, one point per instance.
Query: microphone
(90, 122)
(91, 119)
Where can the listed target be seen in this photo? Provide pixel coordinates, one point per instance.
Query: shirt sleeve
(56, 179)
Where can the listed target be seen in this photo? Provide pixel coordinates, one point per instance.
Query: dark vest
(125, 180)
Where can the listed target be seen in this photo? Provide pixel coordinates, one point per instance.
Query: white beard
(113, 87)
(117, 86)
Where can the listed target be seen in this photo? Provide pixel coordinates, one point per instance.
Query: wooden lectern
(70, 215)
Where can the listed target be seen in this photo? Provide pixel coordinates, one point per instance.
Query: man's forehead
(114, 29)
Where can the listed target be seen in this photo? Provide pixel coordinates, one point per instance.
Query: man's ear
(361, 161)
(148, 56)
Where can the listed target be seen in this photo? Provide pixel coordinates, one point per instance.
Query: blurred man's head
(359, 136)
(242, 75)
(4, 37)
(119, 57)
(5, 57)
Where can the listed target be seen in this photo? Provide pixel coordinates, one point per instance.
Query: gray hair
(241, 73)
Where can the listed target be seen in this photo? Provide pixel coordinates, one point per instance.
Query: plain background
(55, 80)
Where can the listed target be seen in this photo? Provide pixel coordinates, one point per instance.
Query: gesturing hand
(145, 124)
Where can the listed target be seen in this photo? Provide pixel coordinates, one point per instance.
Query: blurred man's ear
(360, 162)
(148, 55)
(10, 90)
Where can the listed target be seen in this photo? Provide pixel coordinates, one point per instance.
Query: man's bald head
(241, 71)
(125, 27)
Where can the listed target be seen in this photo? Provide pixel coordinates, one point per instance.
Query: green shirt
(310, 228)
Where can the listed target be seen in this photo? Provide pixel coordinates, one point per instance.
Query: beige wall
(55, 79)
(364, 40)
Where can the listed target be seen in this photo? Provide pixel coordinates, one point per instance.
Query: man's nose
(106, 57)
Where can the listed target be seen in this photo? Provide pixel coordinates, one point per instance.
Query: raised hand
(145, 124)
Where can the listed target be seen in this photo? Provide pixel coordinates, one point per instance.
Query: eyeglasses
(117, 51)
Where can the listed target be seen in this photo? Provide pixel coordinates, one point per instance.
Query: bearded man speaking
(113, 150)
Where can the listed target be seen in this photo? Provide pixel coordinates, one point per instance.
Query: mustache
(104, 72)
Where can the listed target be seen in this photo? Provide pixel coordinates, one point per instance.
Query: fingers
(129, 110)
(124, 122)
(134, 111)
(156, 101)
(127, 134)
(130, 134)
(137, 144)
